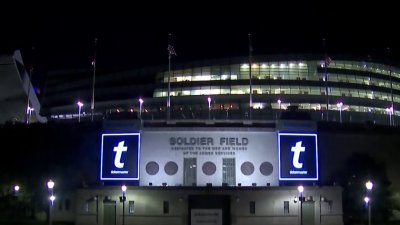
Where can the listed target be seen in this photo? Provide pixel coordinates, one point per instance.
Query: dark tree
(360, 168)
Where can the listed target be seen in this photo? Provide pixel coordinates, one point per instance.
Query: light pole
(123, 199)
(279, 103)
(339, 105)
(369, 185)
(29, 113)
(50, 186)
(17, 207)
(390, 111)
(301, 189)
(140, 107)
(80, 104)
(97, 209)
(209, 107)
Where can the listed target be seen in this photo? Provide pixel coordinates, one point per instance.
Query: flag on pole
(171, 50)
(328, 60)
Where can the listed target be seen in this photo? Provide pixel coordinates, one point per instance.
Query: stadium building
(227, 151)
(355, 91)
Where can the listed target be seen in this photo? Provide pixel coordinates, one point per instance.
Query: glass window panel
(215, 90)
(131, 207)
(225, 90)
(252, 207)
(286, 207)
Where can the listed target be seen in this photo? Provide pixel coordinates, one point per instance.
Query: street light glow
(140, 107)
(50, 184)
(52, 198)
(80, 104)
(30, 109)
(123, 188)
(366, 200)
(369, 185)
(16, 188)
(339, 105)
(300, 188)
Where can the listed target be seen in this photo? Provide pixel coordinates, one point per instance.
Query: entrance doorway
(110, 211)
(209, 209)
(308, 213)
(189, 171)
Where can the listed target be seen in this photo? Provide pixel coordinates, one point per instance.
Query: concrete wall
(261, 146)
(269, 204)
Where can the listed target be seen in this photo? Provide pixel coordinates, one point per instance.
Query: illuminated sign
(120, 156)
(298, 156)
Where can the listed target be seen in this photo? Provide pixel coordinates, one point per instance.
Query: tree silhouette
(358, 169)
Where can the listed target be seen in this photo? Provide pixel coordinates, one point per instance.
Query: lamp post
(123, 199)
(279, 103)
(97, 209)
(369, 185)
(339, 105)
(50, 186)
(29, 113)
(390, 111)
(140, 107)
(209, 107)
(80, 104)
(17, 208)
(301, 189)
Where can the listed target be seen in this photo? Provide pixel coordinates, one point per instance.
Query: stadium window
(131, 207)
(166, 207)
(286, 207)
(252, 206)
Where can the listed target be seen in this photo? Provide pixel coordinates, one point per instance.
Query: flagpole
(250, 78)
(326, 80)
(28, 106)
(169, 81)
(94, 77)
(391, 87)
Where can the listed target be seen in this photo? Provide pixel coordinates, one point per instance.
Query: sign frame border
(138, 156)
(316, 157)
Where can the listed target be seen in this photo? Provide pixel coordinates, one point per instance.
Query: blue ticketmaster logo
(298, 156)
(120, 156)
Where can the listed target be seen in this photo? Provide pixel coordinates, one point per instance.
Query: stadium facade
(224, 155)
(210, 175)
(354, 91)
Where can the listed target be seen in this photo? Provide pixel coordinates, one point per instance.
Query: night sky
(134, 36)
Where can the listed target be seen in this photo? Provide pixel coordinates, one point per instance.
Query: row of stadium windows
(280, 70)
(277, 90)
(333, 77)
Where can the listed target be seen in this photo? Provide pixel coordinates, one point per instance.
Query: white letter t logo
(297, 150)
(119, 149)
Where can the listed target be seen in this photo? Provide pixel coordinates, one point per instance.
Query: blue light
(118, 172)
(295, 146)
